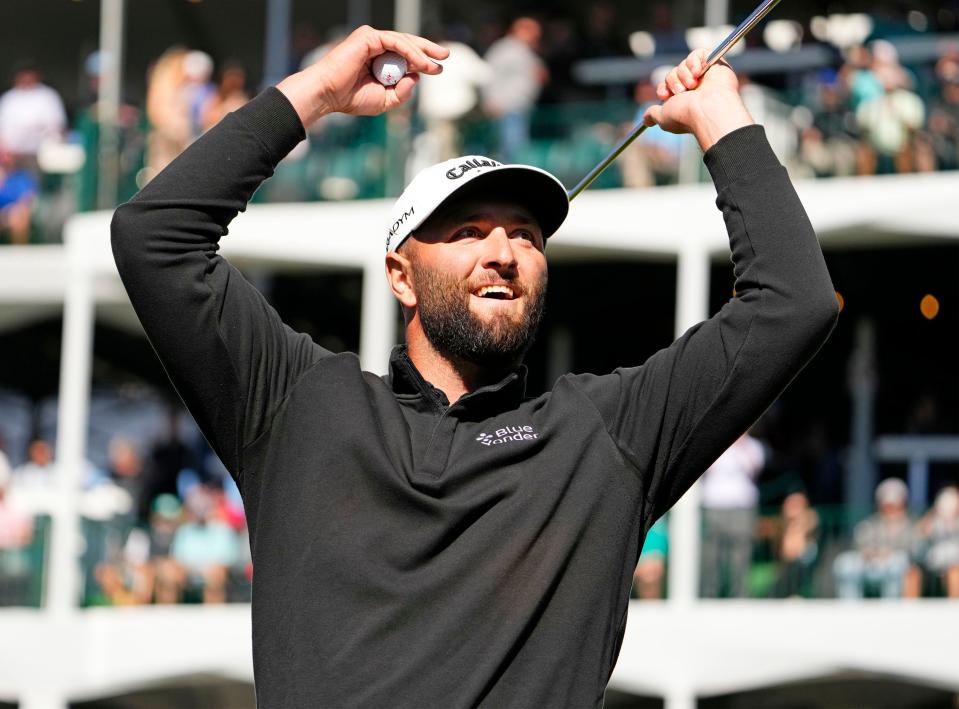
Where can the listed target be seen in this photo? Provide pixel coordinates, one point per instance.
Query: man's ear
(399, 270)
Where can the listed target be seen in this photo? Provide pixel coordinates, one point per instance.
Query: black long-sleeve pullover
(412, 553)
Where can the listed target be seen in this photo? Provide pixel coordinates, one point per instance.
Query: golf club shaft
(718, 53)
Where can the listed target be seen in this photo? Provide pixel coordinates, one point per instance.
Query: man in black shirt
(433, 537)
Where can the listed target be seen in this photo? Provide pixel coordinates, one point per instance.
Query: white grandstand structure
(679, 649)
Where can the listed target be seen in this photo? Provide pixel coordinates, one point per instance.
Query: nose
(498, 250)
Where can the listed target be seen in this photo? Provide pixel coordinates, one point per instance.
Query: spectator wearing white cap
(883, 543)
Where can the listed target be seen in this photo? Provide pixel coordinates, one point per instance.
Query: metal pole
(108, 101)
(408, 16)
(357, 13)
(918, 481)
(861, 472)
(276, 53)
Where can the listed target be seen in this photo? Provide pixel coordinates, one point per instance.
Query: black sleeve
(224, 348)
(674, 415)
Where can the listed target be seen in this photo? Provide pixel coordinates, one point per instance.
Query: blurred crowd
(871, 115)
(507, 90)
(793, 553)
(163, 523)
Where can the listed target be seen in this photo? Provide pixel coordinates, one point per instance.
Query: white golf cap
(537, 190)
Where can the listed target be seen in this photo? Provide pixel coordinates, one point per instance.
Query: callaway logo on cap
(535, 189)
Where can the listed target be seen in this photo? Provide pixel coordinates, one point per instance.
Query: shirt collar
(406, 379)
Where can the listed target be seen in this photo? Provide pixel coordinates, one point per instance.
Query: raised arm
(675, 414)
(224, 348)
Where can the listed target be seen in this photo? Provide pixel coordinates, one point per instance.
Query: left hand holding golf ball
(389, 68)
(343, 80)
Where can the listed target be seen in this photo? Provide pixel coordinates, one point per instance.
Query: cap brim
(535, 189)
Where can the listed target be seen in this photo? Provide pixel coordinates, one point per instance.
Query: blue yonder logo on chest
(508, 434)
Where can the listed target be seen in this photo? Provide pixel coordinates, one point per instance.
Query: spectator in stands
(168, 457)
(86, 131)
(829, 143)
(653, 159)
(730, 498)
(944, 113)
(884, 542)
(518, 75)
(205, 546)
(650, 574)
(445, 100)
(939, 532)
(126, 472)
(168, 576)
(198, 88)
(796, 544)
(16, 528)
(119, 585)
(858, 75)
(30, 113)
(229, 95)
(860, 84)
(168, 111)
(16, 532)
(561, 50)
(38, 470)
(604, 35)
(18, 192)
(890, 121)
(669, 38)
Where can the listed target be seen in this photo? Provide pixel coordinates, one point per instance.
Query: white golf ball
(389, 68)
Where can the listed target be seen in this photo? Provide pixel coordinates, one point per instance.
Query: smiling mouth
(497, 292)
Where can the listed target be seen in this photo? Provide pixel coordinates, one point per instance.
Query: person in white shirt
(518, 77)
(730, 498)
(446, 99)
(30, 114)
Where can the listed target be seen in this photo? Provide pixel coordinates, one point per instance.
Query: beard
(443, 305)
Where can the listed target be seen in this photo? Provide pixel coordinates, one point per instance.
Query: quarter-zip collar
(408, 383)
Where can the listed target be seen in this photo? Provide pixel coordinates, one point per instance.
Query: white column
(378, 315)
(717, 13)
(680, 698)
(43, 698)
(75, 356)
(692, 306)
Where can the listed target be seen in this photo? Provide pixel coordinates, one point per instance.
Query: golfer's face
(489, 251)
